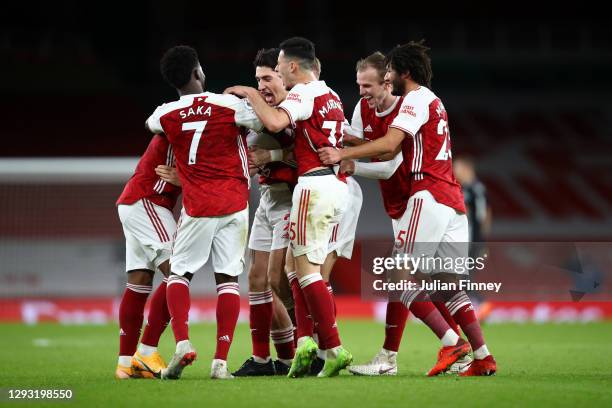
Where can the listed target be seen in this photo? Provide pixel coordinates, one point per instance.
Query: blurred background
(527, 95)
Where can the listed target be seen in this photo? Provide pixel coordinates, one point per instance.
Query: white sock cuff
(450, 338)
(139, 288)
(259, 298)
(230, 288)
(455, 303)
(408, 297)
(310, 279)
(291, 276)
(175, 279)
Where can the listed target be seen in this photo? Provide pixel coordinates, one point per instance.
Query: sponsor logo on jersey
(293, 97)
(408, 110)
(368, 129)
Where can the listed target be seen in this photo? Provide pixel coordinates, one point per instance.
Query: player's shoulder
(422, 96)
(225, 100)
(183, 102)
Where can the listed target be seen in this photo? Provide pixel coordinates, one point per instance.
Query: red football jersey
(369, 124)
(422, 115)
(145, 183)
(210, 149)
(275, 172)
(316, 114)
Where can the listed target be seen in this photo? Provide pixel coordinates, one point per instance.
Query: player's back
(145, 183)
(423, 116)
(210, 149)
(317, 115)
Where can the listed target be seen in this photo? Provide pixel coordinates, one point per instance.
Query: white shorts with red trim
(343, 233)
(222, 240)
(429, 230)
(270, 229)
(318, 203)
(149, 230)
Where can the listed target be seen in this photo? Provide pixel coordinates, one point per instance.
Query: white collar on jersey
(388, 111)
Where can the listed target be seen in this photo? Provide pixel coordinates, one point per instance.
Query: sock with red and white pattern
(395, 322)
(260, 321)
(420, 305)
(131, 315)
(179, 303)
(228, 309)
(159, 316)
(461, 308)
(303, 320)
(321, 308)
(283, 343)
(331, 293)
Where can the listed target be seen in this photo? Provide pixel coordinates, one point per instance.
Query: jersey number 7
(199, 129)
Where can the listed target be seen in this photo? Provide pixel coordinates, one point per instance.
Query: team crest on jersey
(408, 109)
(293, 97)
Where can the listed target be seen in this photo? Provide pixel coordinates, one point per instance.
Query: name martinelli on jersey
(463, 284)
(331, 104)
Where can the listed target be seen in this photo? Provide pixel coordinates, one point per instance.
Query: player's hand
(329, 155)
(258, 156)
(168, 174)
(347, 167)
(239, 90)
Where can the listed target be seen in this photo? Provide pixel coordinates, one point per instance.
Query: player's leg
(282, 326)
(455, 246)
(427, 225)
(260, 317)
(227, 255)
(317, 202)
(192, 247)
(131, 316)
(143, 242)
(147, 357)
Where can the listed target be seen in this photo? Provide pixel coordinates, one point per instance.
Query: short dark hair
(301, 49)
(375, 60)
(177, 64)
(411, 58)
(266, 57)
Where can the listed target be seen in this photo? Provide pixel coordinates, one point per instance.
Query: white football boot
(185, 355)
(461, 365)
(219, 371)
(384, 363)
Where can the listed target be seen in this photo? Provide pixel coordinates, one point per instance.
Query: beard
(399, 87)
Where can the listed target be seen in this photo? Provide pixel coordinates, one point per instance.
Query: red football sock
(303, 319)
(395, 322)
(260, 321)
(283, 343)
(421, 307)
(131, 315)
(462, 311)
(179, 303)
(321, 307)
(441, 306)
(331, 293)
(228, 309)
(158, 318)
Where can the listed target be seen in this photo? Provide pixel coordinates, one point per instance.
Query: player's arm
(382, 170)
(350, 140)
(272, 118)
(168, 174)
(385, 145)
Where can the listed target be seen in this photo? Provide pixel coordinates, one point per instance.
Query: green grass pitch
(539, 365)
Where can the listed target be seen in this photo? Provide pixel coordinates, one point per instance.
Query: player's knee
(140, 277)
(258, 281)
(223, 278)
